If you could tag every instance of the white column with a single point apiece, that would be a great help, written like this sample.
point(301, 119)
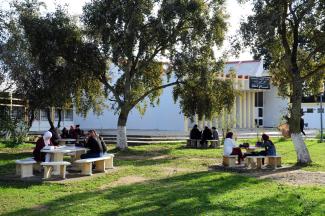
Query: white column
point(234, 113)
point(249, 109)
point(253, 113)
point(244, 110)
point(240, 113)
point(185, 124)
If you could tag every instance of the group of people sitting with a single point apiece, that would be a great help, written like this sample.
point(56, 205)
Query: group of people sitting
point(93, 142)
point(231, 148)
point(206, 134)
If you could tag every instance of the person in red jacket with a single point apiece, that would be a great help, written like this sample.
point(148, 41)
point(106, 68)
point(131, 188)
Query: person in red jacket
point(40, 144)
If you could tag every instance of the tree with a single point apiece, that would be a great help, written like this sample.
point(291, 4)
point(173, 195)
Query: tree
point(46, 55)
point(138, 36)
point(290, 35)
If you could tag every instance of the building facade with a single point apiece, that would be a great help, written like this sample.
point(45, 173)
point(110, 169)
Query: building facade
point(253, 107)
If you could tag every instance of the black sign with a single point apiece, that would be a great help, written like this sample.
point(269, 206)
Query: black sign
point(259, 82)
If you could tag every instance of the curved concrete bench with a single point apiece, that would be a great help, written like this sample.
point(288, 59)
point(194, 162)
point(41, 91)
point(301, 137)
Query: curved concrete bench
point(24, 167)
point(102, 163)
point(48, 168)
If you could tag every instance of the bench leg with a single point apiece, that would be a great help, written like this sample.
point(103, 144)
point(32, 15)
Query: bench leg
point(47, 172)
point(251, 163)
point(109, 163)
point(100, 165)
point(86, 169)
point(278, 162)
point(258, 163)
point(26, 170)
point(18, 170)
point(63, 170)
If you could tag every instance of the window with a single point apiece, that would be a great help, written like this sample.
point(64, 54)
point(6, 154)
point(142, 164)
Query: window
point(260, 122)
point(260, 112)
point(68, 115)
point(259, 99)
point(57, 114)
point(43, 115)
point(37, 115)
point(310, 110)
point(18, 112)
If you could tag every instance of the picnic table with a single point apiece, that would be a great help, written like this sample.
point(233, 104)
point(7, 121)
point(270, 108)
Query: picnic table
point(58, 153)
point(251, 149)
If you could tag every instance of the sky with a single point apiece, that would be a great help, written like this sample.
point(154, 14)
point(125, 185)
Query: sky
point(235, 10)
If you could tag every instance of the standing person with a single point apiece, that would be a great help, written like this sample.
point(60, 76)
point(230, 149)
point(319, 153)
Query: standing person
point(195, 133)
point(206, 135)
point(302, 124)
point(94, 145)
point(40, 144)
point(230, 147)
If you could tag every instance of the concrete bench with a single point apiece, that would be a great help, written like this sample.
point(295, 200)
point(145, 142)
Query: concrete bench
point(102, 163)
point(48, 168)
point(24, 167)
point(229, 161)
point(255, 162)
point(274, 161)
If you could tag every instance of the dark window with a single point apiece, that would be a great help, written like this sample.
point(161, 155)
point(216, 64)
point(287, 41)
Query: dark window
point(260, 112)
point(260, 121)
point(43, 115)
point(259, 99)
point(310, 110)
point(319, 110)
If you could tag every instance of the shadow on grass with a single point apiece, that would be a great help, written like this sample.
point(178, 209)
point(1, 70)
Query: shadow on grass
point(189, 194)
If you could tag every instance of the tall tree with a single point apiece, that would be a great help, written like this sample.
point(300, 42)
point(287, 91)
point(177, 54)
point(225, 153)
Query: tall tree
point(137, 36)
point(46, 56)
point(290, 36)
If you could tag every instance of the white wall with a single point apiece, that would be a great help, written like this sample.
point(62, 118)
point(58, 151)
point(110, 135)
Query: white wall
point(44, 125)
point(274, 107)
point(312, 119)
point(165, 116)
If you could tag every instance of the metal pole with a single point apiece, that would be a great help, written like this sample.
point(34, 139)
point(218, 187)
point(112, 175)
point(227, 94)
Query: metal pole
point(321, 117)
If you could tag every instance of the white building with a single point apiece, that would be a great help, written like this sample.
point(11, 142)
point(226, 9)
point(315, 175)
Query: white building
point(262, 106)
point(251, 106)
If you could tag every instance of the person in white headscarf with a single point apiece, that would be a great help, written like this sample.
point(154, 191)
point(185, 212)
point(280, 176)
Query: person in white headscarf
point(40, 144)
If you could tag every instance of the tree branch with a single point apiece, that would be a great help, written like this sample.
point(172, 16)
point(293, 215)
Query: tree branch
point(314, 72)
point(104, 80)
point(283, 30)
point(153, 90)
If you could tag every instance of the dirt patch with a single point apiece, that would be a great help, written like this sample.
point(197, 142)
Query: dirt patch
point(142, 157)
point(298, 177)
point(40, 208)
point(173, 170)
point(292, 175)
point(127, 180)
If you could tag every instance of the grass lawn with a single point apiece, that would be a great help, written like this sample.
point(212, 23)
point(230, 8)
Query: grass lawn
point(164, 179)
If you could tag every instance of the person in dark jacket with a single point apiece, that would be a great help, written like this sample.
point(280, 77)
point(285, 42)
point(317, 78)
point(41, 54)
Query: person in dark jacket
point(302, 124)
point(40, 144)
point(206, 135)
point(65, 133)
point(269, 146)
point(95, 146)
point(55, 136)
point(195, 133)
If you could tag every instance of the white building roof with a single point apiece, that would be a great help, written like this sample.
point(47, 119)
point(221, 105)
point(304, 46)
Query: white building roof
point(246, 68)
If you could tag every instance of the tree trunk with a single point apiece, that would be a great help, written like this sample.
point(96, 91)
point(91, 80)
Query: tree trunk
point(303, 156)
point(60, 118)
point(48, 114)
point(121, 139)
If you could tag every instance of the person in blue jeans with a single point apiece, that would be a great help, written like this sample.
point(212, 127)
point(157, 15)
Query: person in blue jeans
point(95, 145)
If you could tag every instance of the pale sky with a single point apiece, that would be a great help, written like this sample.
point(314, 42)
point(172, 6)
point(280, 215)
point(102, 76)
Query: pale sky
point(235, 11)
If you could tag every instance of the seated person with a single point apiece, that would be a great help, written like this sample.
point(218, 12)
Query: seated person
point(55, 136)
point(40, 144)
point(215, 134)
point(230, 147)
point(65, 133)
point(269, 146)
point(195, 133)
point(95, 145)
point(206, 135)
